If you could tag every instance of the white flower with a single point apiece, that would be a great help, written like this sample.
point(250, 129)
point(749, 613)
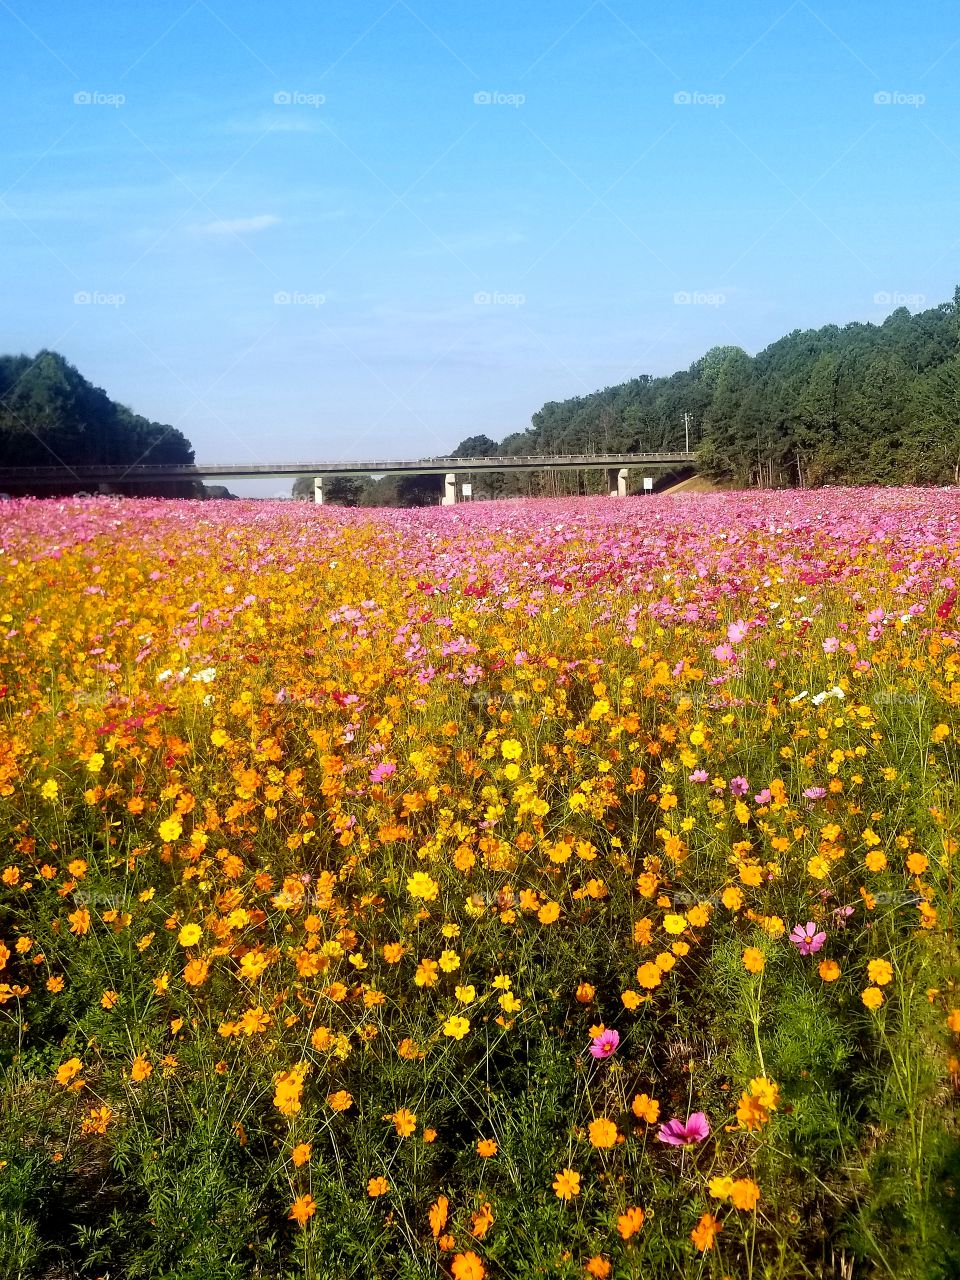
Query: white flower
point(800, 696)
point(206, 676)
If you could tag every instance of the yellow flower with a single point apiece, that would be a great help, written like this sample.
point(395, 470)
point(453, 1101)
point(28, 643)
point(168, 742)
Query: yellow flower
point(674, 923)
point(421, 885)
point(511, 749)
point(169, 830)
point(449, 961)
point(340, 1101)
point(190, 935)
point(456, 1027)
point(829, 970)
point(466, 994)
point(872, 997)
point(50, 789)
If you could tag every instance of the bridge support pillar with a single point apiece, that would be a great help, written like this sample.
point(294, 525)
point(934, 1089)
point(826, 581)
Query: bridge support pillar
point(449, 490)
point(318, 490)
point(617, 481)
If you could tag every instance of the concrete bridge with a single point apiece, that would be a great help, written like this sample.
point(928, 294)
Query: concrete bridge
point(616, 465)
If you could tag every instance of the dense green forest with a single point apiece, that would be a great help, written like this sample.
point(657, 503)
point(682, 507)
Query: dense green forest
point(51, 415)
point(861, 404)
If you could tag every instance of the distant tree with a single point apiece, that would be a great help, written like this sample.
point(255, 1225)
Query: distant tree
point(51, 415)
point(476, 447)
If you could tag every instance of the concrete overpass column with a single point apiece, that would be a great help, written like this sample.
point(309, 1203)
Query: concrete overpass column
point(318, 490)
point(617, 481)
point(449, 489)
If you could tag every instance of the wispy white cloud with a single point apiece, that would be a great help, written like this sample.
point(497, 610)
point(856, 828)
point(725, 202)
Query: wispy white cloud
point(285, 121)
point(238, 226)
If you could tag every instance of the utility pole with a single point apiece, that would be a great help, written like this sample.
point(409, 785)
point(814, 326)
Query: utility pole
point(686, 430)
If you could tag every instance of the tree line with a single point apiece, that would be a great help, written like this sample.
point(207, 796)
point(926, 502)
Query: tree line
point(50, 415)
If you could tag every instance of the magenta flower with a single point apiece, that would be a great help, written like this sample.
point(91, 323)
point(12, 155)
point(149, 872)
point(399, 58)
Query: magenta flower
point(739, 786)
point(605, 1045)
point(382, 770)
point(677, 1133)
point(806, 938)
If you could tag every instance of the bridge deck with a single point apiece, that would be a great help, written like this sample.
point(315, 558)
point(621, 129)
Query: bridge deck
point(146, 472)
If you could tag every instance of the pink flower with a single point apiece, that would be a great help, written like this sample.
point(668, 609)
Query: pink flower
point(382, 770)
point(677, 1133)
point(737, 631)
point(806, 938)
point(605, 1045)
point(831, 644)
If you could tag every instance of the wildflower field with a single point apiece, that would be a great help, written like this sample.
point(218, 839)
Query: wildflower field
point(555, 889)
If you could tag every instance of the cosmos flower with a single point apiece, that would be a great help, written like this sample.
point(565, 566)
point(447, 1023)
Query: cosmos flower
point(806, 938)
point(605, 1044)
point(685, 1133)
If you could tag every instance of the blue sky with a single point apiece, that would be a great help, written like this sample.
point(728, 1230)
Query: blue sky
point(471, 207)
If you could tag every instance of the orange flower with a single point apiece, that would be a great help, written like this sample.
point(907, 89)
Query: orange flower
point(828, 970)
point(585, 993)
point(302, 1209)
point(481, 1222)
point(599, 1267)
point(704, 1233)
point(744, 1193)
point(301, 1153)
point(872, 997)
point(438, 1215)
point(404, 1121)
point(880, 972)
point(753, 960)
point(195, 973)
point(377, 1187)
point(340, 1101)
point(141, 1069)
point(630, 1222)
point(646, 1108)
point(467, 1266)
point(486, 1147)
point(603, 1133)
point(566, 1184)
